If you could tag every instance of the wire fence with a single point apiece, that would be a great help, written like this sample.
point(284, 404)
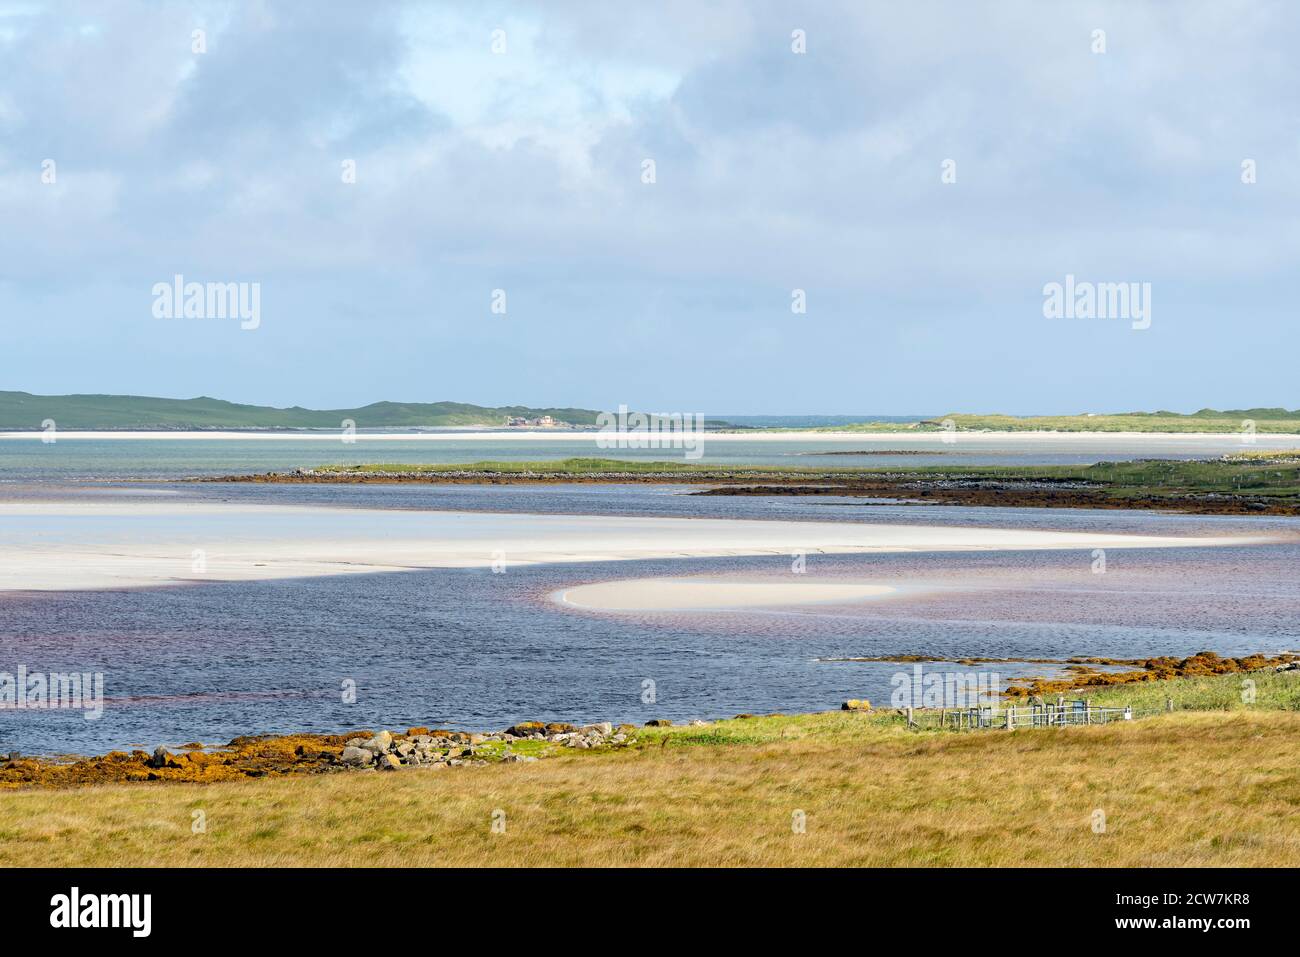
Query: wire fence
point(1035, 714)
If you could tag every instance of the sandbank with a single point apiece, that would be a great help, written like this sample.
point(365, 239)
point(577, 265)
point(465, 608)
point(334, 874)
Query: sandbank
point(123, 543)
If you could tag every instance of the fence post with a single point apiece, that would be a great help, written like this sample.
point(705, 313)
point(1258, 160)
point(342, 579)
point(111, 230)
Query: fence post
point(1011, 719)
point(1087, 711)
point(1169, 704)
point(910, 722)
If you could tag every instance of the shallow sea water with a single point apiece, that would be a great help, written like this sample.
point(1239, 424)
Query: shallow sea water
point(472, 649)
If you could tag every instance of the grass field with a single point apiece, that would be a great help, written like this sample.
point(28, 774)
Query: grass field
point(1215, 788)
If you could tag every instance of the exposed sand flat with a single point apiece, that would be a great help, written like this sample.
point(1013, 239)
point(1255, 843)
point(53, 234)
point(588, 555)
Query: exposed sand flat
point(124, 543)
point(959, 440)
point(685, 594)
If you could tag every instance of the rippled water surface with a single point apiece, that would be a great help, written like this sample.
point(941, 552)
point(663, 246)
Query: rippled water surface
point(473, 649)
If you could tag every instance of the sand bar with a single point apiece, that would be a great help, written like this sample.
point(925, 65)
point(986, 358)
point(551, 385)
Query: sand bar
point(124, 543)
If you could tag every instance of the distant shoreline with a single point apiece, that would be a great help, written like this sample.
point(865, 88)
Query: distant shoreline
point(479, 435)
point(1261, 482)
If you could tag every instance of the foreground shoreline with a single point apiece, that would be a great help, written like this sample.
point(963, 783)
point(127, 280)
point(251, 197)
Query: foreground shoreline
point(1153, 682)
point(1212, 784)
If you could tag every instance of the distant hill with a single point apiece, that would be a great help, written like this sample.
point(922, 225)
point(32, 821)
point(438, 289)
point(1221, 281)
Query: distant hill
point(22, 411)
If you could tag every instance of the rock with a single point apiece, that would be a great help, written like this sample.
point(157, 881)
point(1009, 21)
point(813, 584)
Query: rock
point(415, 732)
point(526, 729)
point(389, 762)
point(477, 738)
point(359, 757)
point(380, 743)
point(856, 704)
point(404, 749)
point(659, 723)
point(561, 727)
point(518, 758)
point(697, 723)
point(160, 757)
point(603, 727)
point(355, 742)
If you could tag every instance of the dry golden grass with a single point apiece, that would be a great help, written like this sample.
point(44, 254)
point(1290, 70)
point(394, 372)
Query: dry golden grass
point(1184, 789)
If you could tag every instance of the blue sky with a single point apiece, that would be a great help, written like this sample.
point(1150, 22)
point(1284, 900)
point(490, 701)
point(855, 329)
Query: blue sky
point(522, 170)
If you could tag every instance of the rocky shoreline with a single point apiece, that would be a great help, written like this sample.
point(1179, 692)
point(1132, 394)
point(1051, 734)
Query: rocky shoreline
point(422, 747)
point(363, 750)
point(257, 756)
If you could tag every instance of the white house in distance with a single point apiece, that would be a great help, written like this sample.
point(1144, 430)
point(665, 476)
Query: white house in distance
point(542, 422)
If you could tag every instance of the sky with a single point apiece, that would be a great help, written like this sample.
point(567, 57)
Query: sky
point(915, 173)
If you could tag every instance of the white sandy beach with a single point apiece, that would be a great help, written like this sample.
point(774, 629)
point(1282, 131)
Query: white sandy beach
point(123, 543)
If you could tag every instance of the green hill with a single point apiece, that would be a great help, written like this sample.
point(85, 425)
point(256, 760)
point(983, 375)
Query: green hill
point(22, 411)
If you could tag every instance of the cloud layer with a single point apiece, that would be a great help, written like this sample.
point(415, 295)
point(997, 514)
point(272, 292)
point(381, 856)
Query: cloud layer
point(502, 146)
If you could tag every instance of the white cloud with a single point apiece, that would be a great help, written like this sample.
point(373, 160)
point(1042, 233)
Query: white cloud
point(774, 170)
